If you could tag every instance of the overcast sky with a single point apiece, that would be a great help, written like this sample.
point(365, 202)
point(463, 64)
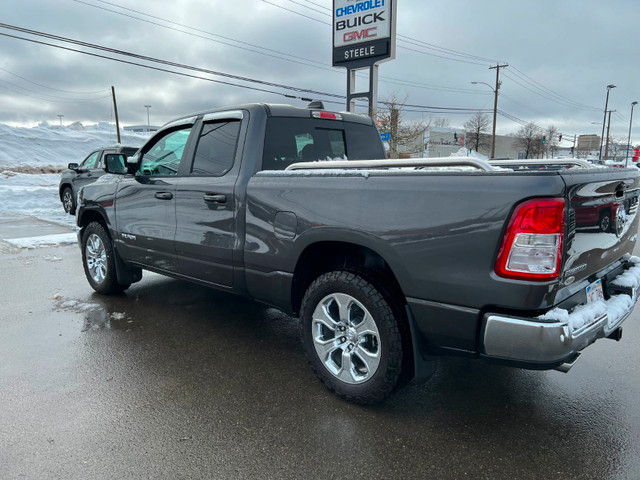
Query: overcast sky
point(561, 56)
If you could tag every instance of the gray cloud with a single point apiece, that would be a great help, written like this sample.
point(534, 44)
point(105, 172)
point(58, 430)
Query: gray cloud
point(572, 48)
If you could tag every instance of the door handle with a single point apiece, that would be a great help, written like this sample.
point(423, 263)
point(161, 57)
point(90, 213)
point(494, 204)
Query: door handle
point(215, 198)
point(164, 195)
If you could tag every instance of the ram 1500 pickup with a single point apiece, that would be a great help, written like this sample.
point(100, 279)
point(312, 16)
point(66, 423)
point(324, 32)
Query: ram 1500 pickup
point(387, 263)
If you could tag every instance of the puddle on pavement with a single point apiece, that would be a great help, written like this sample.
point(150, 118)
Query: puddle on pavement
point(96, 315)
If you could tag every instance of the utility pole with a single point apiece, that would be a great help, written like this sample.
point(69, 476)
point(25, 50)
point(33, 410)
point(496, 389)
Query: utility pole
point(60, 117)
point(573, 149)
point(115, 110)
point(626, 157)
point(495, 106)
point(604, 120)
point(606, 147)
point(148, 107)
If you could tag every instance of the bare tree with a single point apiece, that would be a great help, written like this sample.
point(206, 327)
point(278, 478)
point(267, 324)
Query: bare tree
point(439, 122)
point(477, 128)
point(529, 139)
point(552, 142)
point(405, 136)
point(617, 147)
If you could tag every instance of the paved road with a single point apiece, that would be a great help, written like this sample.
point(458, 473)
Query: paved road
point(173, 380)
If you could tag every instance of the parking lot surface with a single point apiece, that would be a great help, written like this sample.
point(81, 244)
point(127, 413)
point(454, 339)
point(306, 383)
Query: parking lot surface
point(174, 380)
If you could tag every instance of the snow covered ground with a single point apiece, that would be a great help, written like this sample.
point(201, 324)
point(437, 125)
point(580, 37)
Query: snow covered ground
point(46, 148)
point(27, 152)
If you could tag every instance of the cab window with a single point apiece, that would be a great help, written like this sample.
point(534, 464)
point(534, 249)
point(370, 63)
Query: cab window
point(90, 161)
point(216, 148)
point(163, 157)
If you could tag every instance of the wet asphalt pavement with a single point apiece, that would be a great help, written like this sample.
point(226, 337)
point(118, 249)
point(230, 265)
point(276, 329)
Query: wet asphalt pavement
point(174, 380)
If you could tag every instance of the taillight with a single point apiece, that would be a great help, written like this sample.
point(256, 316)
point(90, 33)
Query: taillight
point(532, 246)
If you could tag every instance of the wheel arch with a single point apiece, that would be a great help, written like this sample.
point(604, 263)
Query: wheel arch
point(324, 256)
point(62, 187)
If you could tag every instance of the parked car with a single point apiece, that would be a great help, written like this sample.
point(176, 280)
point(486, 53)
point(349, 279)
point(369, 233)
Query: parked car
point(385, 264)
point(91, 168)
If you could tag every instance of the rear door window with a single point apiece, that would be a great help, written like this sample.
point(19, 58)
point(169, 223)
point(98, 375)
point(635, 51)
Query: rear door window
point(216, 148)
point(291, 140)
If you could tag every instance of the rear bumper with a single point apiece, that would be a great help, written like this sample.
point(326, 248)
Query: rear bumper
point(558, 337)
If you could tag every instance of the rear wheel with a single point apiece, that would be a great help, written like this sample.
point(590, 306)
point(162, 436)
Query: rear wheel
point(352, 337)
point(68, 202)
point(98, 260)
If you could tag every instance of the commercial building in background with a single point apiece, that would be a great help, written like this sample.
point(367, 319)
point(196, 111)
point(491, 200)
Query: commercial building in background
point(443, 142)
point(588, 143)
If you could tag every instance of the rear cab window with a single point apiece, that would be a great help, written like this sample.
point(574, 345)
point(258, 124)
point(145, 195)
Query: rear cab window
point(292, 140)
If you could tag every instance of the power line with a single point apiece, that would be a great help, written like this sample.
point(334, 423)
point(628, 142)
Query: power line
point(164, 62)
point(434, 109)
point(159, 69)
point(280, 55)
point(51, 88)
point(527, 78)
point(18, 92)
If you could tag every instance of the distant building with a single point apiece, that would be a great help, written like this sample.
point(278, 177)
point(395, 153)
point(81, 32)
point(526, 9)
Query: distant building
point(141, 128)
point(443, 142)
point(588, 142)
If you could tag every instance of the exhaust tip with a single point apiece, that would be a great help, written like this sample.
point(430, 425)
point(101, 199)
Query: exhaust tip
point(616, 334)
point(565, 367)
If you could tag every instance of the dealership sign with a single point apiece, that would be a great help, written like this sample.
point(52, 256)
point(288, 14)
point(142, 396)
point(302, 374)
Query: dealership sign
point(363, 31)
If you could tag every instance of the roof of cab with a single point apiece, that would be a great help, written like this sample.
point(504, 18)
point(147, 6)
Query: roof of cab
point(281, 110)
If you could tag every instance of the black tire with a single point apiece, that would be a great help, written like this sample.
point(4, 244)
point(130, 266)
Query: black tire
point(605, 222)
point(68, 201)
point(360, 383)
point(98, 260)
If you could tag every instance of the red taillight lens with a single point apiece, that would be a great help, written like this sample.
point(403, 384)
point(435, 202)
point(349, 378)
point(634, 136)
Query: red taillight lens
point(532, 246)
point(327, 115)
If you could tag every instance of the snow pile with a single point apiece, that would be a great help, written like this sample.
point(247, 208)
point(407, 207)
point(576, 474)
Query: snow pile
point(583, 315)
point(463, 152)
point(34, 195)
point(45, 148)
point(43, 241)
point(630, 278)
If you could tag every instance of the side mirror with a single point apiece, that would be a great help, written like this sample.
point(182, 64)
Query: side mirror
point(72, 166)
point(115, 163)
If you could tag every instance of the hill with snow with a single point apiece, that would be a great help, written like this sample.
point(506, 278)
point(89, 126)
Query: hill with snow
point(47, 148)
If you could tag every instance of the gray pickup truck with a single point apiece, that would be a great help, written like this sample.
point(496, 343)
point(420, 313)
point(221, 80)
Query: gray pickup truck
point(387, 263)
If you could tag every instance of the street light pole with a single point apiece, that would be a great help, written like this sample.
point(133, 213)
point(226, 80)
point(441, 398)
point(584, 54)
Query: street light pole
point(60, 116)
point(495, 111)
point(604, 120)
point(606, 145)
point(626, 158)
point(148, 107)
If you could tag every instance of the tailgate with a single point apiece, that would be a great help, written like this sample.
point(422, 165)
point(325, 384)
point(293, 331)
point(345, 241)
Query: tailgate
point(602, 221)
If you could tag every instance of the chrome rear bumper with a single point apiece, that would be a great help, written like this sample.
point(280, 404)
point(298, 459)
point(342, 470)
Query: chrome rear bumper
point(558, 336)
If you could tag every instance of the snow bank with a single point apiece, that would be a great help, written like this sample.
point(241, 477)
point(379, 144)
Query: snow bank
point(35, 195)
point(45, 148)
point(43, 241)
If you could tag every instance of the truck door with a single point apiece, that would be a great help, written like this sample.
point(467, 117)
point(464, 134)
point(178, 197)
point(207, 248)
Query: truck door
point(206, 202)
point(88, 171)
point(145, 202)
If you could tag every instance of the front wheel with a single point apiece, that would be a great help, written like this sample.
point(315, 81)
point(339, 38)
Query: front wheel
point(351, 336)
point(98, 260)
